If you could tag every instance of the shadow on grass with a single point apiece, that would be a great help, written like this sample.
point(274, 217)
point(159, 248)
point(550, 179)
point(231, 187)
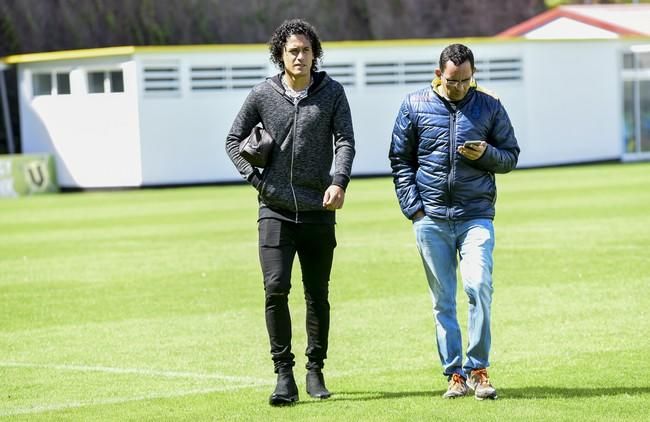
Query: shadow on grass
point(526, 393)
point(375, 395)
point(560, 392)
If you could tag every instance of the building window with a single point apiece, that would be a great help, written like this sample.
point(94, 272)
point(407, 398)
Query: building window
point(246, 77)
point(644, 60)
point(42, 84)
point(105, 81)
point(421, 72)
point(636, 102)
point(63, 83)
point(95, 82)
point(629, 118)
point(499, 69)
point(344, 73)
point(383, 73)
point(161, 79)
point(208, 78)
point(117, 81)
point(216, 78)
point(51, 83)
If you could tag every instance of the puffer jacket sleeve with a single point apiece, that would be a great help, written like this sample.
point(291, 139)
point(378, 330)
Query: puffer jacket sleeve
point(244, 122)
point(502, 153)
point(403, 157)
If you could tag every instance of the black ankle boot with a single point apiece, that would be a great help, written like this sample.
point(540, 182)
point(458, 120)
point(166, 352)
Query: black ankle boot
point(286, 390)
point(316, 385)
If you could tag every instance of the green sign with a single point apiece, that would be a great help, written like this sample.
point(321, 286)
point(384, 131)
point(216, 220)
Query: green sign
point(29, 174)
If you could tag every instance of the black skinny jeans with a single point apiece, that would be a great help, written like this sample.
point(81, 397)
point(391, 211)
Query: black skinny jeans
point(279, 241)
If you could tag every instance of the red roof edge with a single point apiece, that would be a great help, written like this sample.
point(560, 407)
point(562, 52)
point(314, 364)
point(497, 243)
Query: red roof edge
point(559, 12)
point(530, 24)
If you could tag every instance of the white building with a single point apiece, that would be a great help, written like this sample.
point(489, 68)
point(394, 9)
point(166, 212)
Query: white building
point(583, 21)
point(141, 116)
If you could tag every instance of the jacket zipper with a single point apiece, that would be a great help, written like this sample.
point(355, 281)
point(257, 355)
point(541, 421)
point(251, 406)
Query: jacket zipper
point(293, 146)
point(452, 166)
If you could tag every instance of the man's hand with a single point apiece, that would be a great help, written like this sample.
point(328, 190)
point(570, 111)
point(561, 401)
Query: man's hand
point(472, 152)
point(334, 198)
point(418, 215)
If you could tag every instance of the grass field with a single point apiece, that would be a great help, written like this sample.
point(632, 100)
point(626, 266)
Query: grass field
point(148, 305)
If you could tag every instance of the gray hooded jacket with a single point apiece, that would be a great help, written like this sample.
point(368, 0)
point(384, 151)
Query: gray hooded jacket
point(308, 137)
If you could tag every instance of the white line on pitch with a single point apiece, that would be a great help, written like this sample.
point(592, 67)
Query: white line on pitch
point(245, 382)
point(135, 371)
point(120, 400)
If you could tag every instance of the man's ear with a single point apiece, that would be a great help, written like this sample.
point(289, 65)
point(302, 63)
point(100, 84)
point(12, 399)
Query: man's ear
point(438, 72)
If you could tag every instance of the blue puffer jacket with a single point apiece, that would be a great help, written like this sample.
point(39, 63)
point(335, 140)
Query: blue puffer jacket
point(429, 174)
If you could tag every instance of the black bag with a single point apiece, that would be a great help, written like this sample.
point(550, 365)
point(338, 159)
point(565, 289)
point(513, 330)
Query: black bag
point(257, 147)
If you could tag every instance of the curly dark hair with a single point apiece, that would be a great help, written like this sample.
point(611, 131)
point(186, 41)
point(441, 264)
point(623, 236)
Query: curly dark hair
point(292, 27)
point(458, 54)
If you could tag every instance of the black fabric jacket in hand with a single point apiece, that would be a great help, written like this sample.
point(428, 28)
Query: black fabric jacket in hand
point(308, 137)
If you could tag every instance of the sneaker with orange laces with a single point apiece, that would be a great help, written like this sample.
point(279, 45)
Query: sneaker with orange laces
point(480, 382)
point(456, 388)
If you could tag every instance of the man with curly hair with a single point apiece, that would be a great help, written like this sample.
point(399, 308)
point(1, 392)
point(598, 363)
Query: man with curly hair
point(308, 116)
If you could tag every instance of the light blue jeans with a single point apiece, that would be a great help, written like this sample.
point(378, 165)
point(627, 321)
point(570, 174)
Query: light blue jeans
point(443, 246)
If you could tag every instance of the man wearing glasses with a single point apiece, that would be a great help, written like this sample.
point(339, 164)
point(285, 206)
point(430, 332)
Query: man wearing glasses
point(448, 142)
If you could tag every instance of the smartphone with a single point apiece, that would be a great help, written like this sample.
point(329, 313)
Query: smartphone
point(472, 143)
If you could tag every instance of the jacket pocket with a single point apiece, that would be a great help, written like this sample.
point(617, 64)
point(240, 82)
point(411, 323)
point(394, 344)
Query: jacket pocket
point(276, 191)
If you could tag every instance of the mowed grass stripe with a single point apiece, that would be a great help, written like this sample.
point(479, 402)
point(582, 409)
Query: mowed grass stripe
point(168, 281)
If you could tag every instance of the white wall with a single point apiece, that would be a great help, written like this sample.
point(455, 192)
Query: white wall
point(572, 103)
point(565, 108)
point(374, 109)
point(94, 137)
point(568, 28)
point(194, 125)
point(183, 136)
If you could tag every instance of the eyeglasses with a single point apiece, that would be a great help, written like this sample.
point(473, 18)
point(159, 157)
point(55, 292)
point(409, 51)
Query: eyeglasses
point(455, 83)
point(295, 52)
